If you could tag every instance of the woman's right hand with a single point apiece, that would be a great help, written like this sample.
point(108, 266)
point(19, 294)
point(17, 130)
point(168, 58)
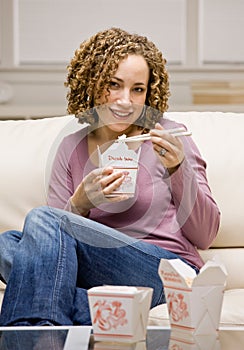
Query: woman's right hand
point(94, 188)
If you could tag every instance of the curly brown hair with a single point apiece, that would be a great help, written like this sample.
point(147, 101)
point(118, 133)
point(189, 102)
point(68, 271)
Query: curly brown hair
point(95, 63)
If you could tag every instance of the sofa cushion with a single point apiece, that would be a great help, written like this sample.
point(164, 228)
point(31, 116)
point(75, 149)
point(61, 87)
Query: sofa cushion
point(219, 137)
point(233, 307)
point(159, 316)
point(27, 148)
point(232, 258)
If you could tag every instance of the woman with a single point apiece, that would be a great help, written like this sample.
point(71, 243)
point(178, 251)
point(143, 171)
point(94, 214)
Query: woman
point(118, 84)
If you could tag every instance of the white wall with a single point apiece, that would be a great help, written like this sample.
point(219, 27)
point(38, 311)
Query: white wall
point(201, 39)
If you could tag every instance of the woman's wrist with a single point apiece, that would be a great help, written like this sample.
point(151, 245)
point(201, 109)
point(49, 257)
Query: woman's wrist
point(78, 210)
point(175, 168)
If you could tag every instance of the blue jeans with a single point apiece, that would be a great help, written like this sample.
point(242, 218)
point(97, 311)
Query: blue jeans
point(34, 339)
point(58, 256)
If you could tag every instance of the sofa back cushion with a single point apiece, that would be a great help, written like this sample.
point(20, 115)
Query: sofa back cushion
point(27, 148)
point(219, 137)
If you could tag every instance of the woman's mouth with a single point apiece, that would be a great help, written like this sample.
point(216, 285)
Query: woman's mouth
point(120, 114)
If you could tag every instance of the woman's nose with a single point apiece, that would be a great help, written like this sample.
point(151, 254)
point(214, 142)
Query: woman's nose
point(125, 98)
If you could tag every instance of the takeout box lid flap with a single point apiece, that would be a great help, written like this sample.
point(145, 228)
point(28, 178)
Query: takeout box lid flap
point(176, 272)
point(114, 290)
point(211, 273)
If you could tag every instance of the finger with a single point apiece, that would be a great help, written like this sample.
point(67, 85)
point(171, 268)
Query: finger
point(170, 157)
point(159, 126)
point(112, 186)
point(106, 180)
point(159, 144)
point(166, 140)
point(118, 198)
point(96, 174)
point(164, 134)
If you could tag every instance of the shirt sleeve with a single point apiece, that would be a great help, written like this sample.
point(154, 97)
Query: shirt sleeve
point(197, 212)
point(61, 185)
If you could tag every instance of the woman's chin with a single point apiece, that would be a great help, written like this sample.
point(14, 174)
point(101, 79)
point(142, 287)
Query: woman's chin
point(119, 128)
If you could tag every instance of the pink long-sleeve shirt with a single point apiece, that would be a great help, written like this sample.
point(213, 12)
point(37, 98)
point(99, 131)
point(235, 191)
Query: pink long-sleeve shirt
point(175, 212)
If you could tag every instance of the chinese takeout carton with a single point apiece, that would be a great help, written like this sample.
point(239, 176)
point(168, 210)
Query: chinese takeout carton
point(194, 300)
point(119, 313)
point(121, 158)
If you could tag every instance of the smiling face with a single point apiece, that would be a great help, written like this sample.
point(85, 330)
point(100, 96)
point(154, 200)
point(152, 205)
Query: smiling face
point(121, 105)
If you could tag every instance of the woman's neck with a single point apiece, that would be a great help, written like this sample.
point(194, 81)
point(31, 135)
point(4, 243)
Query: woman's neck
point(104, 134)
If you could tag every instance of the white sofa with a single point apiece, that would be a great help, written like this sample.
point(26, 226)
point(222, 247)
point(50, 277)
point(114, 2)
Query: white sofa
point(27, 149)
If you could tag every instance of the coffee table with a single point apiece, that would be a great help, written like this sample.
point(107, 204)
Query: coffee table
point(80, 338)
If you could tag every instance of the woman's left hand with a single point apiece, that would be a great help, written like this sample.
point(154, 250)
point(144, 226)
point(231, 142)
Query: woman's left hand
point(169, 148)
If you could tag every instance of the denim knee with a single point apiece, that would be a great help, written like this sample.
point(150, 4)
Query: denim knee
point(38, 213)
point(38, 218)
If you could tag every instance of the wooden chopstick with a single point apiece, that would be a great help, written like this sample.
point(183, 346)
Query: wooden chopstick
point(175, 132)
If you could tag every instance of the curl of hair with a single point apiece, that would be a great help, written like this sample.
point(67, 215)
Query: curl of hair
point(95, 63)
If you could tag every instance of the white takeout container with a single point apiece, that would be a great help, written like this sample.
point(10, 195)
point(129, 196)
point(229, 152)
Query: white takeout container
point(194, 301)
point(121, 158)
point(119, 313)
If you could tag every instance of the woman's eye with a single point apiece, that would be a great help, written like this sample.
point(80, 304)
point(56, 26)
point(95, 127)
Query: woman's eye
point(113, 85)
point(139, 89)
